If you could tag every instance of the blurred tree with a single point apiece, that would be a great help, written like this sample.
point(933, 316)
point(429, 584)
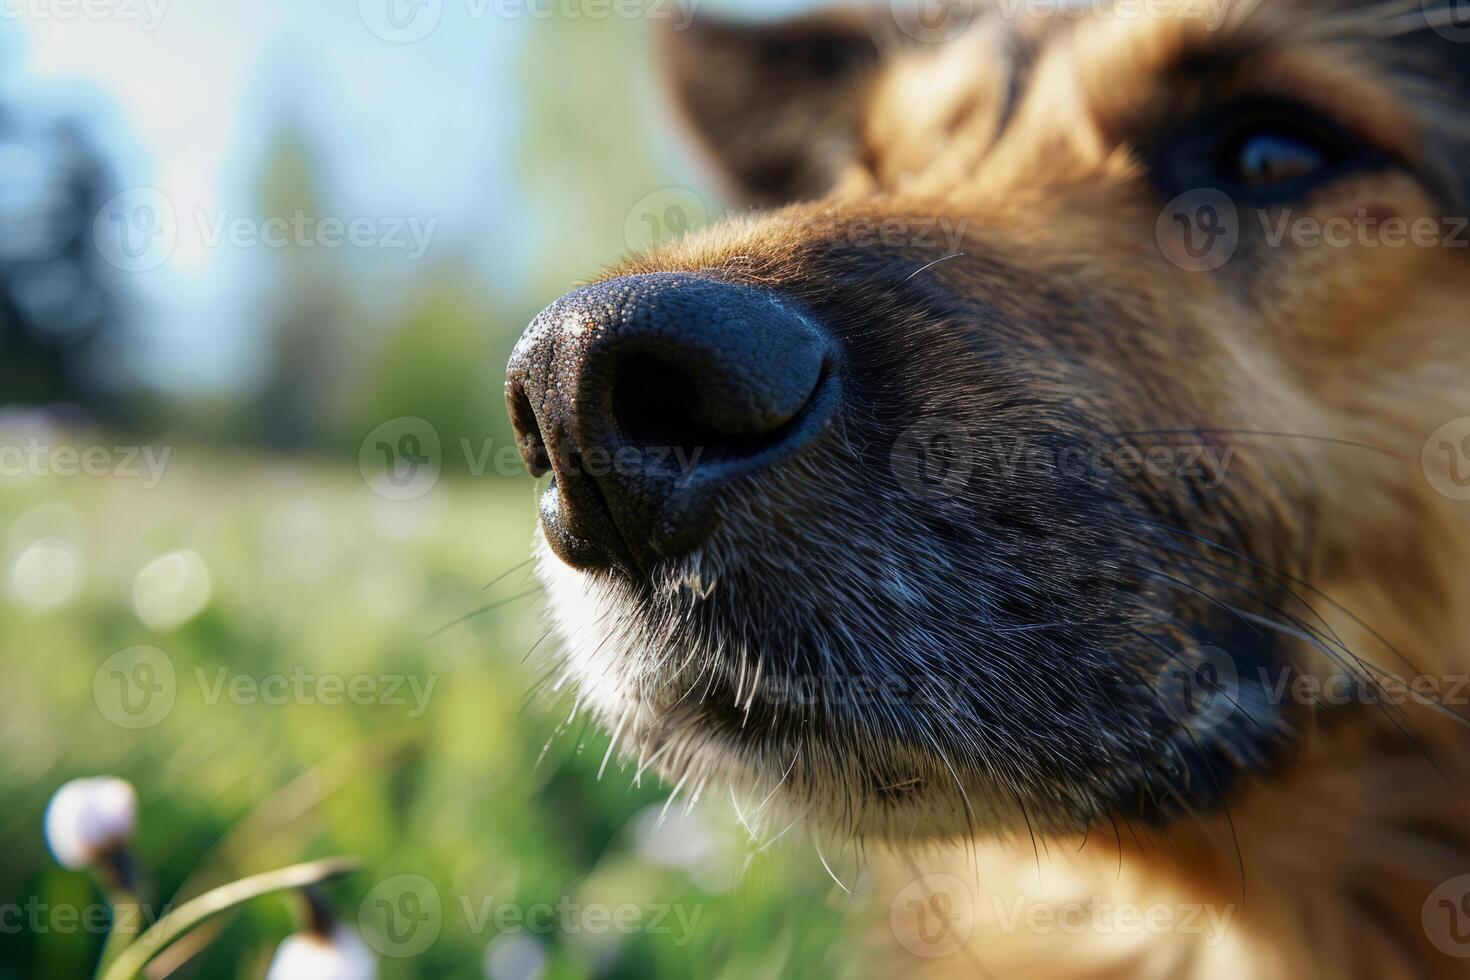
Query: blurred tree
point(311, 304)
point(590, 144)
point(440, 362)
point(58, 317)
point(340, 366)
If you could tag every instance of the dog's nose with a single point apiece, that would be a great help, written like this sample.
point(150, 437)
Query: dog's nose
point(648, 396)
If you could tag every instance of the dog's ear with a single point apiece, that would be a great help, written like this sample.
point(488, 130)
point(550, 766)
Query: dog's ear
point(776, 105)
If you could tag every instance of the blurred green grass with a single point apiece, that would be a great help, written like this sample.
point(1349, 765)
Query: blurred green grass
point(311, 574)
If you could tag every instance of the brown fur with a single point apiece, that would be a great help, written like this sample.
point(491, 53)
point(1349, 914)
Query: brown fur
point(1326, 856)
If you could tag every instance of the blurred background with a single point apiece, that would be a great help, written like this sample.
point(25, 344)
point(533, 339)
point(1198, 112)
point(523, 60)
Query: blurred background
point(261, 266)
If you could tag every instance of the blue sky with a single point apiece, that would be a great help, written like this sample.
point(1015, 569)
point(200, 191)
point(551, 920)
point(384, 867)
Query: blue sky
point(184, 94)
point(186, 108)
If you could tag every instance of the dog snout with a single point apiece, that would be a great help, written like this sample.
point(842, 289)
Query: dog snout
point(648, 397)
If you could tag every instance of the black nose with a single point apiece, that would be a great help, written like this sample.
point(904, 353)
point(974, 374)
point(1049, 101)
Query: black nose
point(647, 397)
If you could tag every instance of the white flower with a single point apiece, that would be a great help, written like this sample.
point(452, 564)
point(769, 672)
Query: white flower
point(88, 818)
point(514, 956)
point(309, 956)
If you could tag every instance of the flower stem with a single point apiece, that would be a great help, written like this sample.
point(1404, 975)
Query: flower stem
point(126, 910)
point(120, 881)
point(130, 961)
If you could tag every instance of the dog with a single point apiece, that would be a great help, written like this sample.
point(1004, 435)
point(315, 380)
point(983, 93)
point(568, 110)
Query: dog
point(1056, 487)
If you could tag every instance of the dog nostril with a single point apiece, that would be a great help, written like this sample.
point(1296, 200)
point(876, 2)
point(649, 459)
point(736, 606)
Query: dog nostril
point(529, 440)
point(655, 404)
point(659, 404)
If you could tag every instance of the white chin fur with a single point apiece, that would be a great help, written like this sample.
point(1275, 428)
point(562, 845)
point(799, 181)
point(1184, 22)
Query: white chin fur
point(603, 660)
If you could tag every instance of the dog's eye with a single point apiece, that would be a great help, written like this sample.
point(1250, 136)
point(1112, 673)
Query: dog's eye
point(1265, 157)
point(1259, 153)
